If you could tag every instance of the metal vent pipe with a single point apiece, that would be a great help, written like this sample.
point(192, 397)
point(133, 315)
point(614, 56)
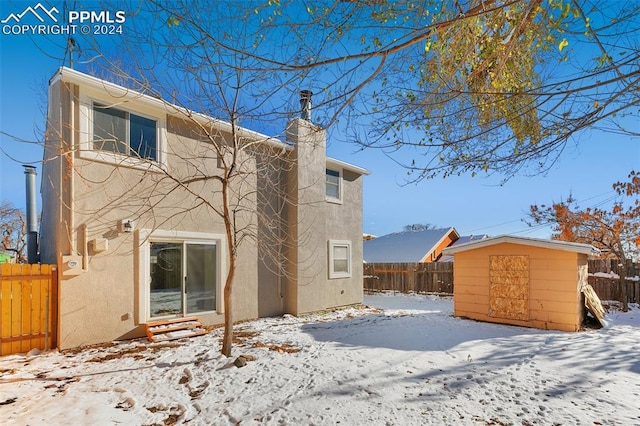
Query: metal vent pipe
point(305, 104)
point(32, 215)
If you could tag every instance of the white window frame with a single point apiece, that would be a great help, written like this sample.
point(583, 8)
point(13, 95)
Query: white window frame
point(87, 149)
point(144, 238)
point(333, 274)
point(340, 186)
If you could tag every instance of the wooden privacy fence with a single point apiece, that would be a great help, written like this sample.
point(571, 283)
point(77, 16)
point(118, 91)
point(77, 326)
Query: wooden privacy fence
point(608, 288)
point(437, 277)
point(434, 277)
point(28, 307)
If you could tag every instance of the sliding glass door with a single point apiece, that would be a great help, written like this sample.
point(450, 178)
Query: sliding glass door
point(183, 278)
point(200, 282)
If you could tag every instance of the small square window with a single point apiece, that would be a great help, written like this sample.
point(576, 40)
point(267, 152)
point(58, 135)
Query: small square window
point(339, 259)
point(334, 187)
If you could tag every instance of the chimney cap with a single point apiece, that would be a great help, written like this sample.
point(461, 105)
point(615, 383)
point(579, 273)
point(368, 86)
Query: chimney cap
point(305, 103)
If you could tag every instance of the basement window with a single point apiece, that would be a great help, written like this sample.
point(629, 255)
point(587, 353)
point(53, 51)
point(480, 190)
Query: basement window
point(123, 132)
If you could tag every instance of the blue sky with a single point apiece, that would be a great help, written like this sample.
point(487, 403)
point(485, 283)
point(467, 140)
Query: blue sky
point(587, 169)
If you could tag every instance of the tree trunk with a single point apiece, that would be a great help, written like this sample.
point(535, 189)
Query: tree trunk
point(227, 339)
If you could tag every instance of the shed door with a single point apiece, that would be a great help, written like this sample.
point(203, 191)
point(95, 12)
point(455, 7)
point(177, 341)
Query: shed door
point(509, 287)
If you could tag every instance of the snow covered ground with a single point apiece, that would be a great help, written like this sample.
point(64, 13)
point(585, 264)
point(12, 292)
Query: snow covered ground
point(405, 360)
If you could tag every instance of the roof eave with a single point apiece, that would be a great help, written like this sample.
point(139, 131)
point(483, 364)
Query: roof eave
point(346, 166)
point(69, 75)
point(535, 242)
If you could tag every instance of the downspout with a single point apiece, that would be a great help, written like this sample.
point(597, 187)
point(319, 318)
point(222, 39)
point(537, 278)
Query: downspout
point(282, 265)
point(70, 163)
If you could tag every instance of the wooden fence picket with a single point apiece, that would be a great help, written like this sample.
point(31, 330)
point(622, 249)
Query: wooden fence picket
point(28, 307)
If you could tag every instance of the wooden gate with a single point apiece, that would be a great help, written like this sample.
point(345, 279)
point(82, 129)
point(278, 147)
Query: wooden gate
point(28, 307)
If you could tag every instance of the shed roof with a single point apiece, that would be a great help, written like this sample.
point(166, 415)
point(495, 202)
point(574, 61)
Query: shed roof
point(534, 242)
point(407, 246)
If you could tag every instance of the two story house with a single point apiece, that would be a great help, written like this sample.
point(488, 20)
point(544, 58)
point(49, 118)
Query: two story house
point(132, 197)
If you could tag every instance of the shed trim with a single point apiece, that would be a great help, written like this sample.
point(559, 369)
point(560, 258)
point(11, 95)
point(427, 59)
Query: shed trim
point(535, 242)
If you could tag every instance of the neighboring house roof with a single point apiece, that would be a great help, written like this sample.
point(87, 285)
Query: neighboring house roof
point(407, 246)
point(535, 242)
point(72, 76)
point(462, 240)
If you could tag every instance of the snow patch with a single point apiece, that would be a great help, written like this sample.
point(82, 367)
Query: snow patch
point(403, 359)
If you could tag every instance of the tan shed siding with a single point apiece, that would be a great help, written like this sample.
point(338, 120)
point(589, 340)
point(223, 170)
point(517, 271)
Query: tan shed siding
point(554, 299)
point(545, 294)
point(472, 269)
point(471, 291)
point(468, 307)
point(560, 278)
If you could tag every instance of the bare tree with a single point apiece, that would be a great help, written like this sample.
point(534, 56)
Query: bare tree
point(219, 171)
point(615, 231)
point(467, 86)
point(13, 230)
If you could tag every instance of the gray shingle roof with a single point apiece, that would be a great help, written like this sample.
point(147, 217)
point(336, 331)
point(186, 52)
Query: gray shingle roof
point(408, 246)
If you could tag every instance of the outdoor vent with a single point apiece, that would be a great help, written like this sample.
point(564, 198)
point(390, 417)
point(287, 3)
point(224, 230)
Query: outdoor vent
point(32, 215)
point(305, 104)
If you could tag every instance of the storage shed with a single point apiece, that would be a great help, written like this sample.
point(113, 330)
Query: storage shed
point(521, 281)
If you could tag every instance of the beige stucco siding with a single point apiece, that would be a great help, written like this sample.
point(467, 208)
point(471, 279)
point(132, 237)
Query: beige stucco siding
point(279, 203)
point(105, 193)
point(553, 294)
point(52, 175)
point(345, 223)
point(314, 221)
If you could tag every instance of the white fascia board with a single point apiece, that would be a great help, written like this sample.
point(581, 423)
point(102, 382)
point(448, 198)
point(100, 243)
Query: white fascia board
point(69, 75)
point(535, 242)
point(333, 163)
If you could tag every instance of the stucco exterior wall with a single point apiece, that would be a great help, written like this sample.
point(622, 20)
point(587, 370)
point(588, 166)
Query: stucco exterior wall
point(344, 222)
point(554, 286)
point(107, 290)
point(280, 203)
point(314, 221)
point(52, 173)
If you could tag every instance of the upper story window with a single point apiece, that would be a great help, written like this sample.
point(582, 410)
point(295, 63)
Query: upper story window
point(123, 132)
point(334, 185)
